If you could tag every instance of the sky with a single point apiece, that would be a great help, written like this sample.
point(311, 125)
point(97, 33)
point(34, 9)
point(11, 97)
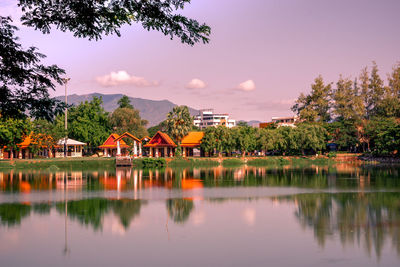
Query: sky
point(261, 56)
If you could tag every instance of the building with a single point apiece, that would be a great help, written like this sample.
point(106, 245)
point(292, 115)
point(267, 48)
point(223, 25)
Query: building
point(161, 145)
point(207, 118)
point(110, 146)
point(24, 149)
point(74, 148)
point(191, 144)
point(136, 147)
point(285, 121)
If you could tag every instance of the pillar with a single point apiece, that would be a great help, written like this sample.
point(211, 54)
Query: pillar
point(118, 149)
point(165, 152)
point(140, 149)
point(134, 149)
point(1, 154)
point(156, 152)
point(150, 152)
point(20, 154)
point(184, 151)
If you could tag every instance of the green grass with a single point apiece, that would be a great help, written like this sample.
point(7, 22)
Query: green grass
point(179, 162)
point(57, 163)
point(149, 163)
point(232, 162)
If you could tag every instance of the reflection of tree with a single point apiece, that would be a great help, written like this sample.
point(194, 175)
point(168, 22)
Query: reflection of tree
point(11, 214)
point(179, 209)
point(42, 208)
point(127, 210)
point(91, 211)
point(366, 218)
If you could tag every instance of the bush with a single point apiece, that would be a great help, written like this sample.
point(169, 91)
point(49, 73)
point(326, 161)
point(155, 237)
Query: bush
point(332, 155)
point(150, 162)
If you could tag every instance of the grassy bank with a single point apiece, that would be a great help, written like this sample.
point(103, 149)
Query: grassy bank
point(57, 163)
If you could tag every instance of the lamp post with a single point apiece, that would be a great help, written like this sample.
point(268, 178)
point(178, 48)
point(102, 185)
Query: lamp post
point(65, 81)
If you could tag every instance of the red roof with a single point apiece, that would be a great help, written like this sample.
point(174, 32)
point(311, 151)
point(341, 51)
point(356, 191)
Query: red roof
point(126, 134)
point(111, 143)
point(161, 139)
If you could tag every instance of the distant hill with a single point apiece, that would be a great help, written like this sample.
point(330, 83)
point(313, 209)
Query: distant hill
point(155, 111)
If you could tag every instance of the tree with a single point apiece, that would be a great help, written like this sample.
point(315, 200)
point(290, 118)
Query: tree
point(88, 122)
point(376, 90)
point(13, 132)
point(315, 106)
point(95, 18)
point(312, 137)
point(209, 141)
point(162, 126)
point(125, 102)
point(343, 96)
point(24, 81)
point(127, 119)
point(179, 122)
point(384, 135)
point(46, 134)
point(245, 139)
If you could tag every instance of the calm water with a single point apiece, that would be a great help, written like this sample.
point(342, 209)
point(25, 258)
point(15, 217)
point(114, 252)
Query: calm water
point(339, 215)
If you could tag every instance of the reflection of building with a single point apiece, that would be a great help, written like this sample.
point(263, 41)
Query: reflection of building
point(207, 118)
point(191, 144)
point(161, 145)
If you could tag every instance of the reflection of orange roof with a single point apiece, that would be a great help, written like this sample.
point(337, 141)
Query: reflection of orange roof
point(126, 134)
point(161, 139)
point(188, 184)
point(111, 143)
point(193, 139)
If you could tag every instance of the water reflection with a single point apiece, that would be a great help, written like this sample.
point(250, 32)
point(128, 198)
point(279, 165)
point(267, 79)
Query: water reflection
point(357, 218)
point(367, 215)
point(122, 179)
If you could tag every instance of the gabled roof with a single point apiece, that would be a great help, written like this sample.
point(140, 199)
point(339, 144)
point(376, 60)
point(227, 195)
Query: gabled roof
point(161, 139)
point(70, 141)
point(193, 139)
point(111, 143)
point(144, 138)
point(126, 134)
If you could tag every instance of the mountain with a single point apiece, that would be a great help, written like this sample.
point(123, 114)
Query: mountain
point(155, 111)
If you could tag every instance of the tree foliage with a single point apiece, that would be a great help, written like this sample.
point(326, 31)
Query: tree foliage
point(88, 122)
point(13, 132)
point(179, 122)
point(127, 119)
point(95, 18)
point(24, 80)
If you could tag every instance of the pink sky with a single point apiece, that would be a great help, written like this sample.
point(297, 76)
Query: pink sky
point(262, 53)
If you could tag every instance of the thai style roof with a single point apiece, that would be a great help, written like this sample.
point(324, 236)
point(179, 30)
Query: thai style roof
point(111, 143)
point(126, 134)
point(193, 139)
point(27, 141)
point(161, 139)
point(144, 138)
point(70, 142)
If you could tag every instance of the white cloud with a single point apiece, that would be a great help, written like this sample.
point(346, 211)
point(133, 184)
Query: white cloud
point(196, 84)
point(123, 78)
point(248, 85)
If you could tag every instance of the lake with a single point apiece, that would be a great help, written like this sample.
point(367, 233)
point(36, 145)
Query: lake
point(336, 215)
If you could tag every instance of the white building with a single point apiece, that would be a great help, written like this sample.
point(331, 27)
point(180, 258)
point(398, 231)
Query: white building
point(286, 121)
point(207, 118)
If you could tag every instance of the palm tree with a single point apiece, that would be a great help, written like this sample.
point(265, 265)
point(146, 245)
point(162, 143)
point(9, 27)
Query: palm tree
point(179, 122)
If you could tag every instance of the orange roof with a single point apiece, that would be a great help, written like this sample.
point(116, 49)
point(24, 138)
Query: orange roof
point(126, 134)
point(193, 139)
point(161, 139)
point(111, 143)
point(27, 141)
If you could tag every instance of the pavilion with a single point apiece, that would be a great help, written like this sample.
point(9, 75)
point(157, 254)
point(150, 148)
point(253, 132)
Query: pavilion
point(74, 148)
point(110, 146)
point(191, 144)
point(161, 145)
point(137, 144)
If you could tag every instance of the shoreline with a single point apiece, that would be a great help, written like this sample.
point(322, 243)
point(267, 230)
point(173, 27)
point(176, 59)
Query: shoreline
point(192, 161)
